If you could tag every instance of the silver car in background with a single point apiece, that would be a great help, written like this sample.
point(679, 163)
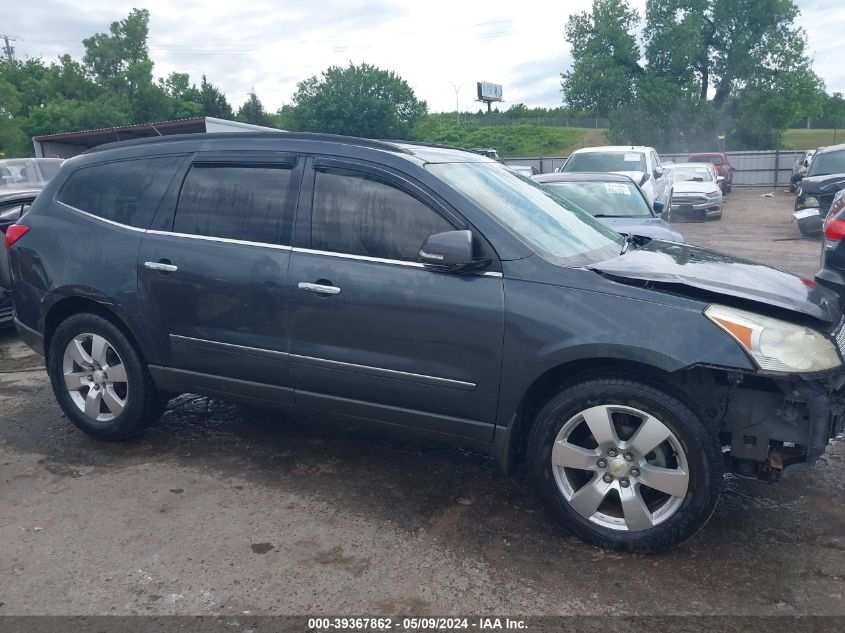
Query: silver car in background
point(697, 192)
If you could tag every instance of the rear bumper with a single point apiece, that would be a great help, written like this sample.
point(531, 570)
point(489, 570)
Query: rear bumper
point(31, 337)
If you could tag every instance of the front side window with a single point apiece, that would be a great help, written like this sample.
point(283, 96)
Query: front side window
point(607, 161)
point(234, 202)
point(361, 216)
point(541, 218)
point(127, 191)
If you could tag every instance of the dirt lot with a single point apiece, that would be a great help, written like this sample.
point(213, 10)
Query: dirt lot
point(227, 510)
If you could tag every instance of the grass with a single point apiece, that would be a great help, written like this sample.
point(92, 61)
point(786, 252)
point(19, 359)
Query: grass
point(811, 139)
point(511, 140)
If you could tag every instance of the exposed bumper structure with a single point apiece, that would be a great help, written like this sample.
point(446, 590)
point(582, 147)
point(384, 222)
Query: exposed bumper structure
point(776, 424)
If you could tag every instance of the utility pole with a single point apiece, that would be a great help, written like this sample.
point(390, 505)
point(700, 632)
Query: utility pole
point(9, 49)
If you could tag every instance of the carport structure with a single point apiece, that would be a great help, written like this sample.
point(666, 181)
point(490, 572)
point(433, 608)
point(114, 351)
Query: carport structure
point(67, 144)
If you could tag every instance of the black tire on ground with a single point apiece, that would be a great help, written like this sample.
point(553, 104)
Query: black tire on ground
point(728, 188)
point(699, 443)
point(144, 405)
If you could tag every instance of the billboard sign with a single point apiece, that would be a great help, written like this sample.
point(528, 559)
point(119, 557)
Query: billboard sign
point(489, 92)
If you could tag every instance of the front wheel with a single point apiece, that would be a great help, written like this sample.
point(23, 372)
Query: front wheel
point(625, 464)
point(100, 380)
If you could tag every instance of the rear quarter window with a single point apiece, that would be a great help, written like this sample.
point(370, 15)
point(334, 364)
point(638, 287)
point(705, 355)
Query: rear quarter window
point(127, 191)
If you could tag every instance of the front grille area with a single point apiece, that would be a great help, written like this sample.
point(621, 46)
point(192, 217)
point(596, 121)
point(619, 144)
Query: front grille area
point(688, 199)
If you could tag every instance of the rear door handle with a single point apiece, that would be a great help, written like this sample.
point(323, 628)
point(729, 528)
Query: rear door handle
point(161, 267)
point(319, 289)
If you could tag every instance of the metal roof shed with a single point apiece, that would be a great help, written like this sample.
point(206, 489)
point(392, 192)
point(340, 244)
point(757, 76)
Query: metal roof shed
point(70, 144)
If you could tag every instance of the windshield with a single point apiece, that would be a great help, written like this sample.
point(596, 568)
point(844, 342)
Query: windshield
point(699, 174)
point(828, 163)
point(541, 218)
point(606, 161)
point(604, 199)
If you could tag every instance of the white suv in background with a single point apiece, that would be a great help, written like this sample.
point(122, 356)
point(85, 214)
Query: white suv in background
point(641, 164)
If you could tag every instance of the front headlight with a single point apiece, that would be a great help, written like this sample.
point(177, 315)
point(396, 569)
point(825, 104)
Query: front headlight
point(776, 345)
point(807, 202)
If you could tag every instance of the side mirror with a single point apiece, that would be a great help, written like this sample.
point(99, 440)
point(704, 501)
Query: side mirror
point(658, 207)
point(720, 179)
point(658, 172)
point(452, 249)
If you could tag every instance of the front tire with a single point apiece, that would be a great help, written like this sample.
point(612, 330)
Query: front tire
point(100, 380)
point(625, 464)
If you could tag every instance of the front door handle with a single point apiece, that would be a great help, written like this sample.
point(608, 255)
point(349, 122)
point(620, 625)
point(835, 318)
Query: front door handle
point(162, 267)
point(320, 289)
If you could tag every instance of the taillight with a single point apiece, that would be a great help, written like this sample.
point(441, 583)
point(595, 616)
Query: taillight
point(14, 233)
point(834, 228)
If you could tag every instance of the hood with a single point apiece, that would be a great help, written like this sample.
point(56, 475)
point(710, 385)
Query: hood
point(687, 266)
point(654, 228)
point(692, 186)
point(831, 183)
point(636, 176)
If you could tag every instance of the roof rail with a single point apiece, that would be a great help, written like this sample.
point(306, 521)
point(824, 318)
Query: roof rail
point(389, 146)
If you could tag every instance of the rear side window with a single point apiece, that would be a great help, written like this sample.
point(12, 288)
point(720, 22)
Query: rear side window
point(360, 216)
point(234, 202)
point(127, 191)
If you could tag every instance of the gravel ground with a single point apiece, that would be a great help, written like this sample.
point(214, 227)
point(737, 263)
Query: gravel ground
point(226, 510)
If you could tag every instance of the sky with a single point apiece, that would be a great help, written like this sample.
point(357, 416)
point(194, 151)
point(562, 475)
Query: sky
point(441, 47)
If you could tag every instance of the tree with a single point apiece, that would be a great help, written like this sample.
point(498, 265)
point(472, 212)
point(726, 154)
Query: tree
point(252, 111)
point(711, 66)
point(357, 100)
point(605, 57)
point(213, 102)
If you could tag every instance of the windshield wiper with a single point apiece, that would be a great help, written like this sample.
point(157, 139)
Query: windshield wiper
point(628, 240)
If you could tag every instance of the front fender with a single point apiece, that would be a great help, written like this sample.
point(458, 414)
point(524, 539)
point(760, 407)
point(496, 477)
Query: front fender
point(547, 326)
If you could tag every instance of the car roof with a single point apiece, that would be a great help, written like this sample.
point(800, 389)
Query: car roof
point(831, 148)
point(581, 176)
point(614, 148)
point(422, 152)
point(690, 164)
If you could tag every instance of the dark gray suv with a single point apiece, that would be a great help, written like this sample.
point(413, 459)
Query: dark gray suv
point(431, 290)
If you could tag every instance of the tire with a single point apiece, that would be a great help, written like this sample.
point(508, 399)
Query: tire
point(654, 520)
point(125, 401)
point(728, 188)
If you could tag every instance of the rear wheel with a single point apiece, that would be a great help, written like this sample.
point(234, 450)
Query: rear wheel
point(100, 380)
point(625, 465)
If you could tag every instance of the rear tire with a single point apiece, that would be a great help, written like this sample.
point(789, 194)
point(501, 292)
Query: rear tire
point(602, 479)
point(100, 380)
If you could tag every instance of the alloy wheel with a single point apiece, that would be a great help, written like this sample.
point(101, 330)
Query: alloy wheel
point(95, 377)
point(620, 467)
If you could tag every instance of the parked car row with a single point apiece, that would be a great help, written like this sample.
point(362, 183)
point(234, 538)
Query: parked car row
point(433, 291)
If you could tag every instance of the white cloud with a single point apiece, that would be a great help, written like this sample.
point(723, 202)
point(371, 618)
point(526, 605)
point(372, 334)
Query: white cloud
point(271, 45)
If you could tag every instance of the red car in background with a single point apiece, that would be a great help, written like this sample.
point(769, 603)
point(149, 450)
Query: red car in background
point(720, 162)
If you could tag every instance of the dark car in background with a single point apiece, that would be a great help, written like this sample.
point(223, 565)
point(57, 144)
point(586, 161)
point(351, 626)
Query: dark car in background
point(432, 291)
point(722, 165)
point(614, 200)
point(824, 178)
point(832, 265)
point(13, 204)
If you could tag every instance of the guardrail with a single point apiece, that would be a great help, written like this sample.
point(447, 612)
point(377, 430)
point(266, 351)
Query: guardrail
point(761, 168)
